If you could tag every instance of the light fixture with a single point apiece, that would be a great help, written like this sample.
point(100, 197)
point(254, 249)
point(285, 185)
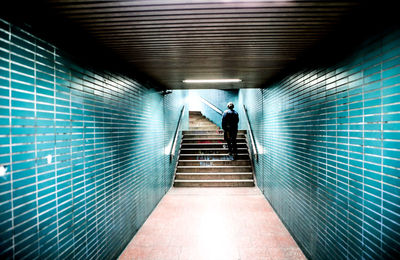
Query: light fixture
point(211, 80)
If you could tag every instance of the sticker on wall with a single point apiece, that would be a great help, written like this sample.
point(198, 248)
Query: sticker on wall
point(3, 171)
point(49, 158)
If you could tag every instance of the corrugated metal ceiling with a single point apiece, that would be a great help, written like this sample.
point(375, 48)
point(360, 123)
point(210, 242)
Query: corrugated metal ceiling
point(175, 40)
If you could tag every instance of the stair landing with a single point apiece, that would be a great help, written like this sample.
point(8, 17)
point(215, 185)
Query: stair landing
point(213, 223)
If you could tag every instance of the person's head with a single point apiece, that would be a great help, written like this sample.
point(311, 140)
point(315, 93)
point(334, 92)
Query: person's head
point(230, 105)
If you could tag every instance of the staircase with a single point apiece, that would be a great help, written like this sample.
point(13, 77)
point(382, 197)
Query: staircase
point(203, 160)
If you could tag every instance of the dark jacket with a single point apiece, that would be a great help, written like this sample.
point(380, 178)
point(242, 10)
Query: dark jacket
point(230, 120)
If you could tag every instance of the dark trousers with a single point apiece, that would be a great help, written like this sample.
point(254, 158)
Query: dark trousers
point(230, 138)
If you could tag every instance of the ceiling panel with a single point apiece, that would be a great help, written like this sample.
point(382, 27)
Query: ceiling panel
point(174, 40)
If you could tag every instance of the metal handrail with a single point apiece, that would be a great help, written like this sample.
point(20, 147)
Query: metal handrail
point(253, 143)
point(173, 146)
point(216, 109)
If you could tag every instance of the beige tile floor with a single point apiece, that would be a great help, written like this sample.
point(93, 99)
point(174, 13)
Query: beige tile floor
point(213, 223)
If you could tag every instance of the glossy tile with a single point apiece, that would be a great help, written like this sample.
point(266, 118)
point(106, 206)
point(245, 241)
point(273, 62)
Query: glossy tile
point(213, 223)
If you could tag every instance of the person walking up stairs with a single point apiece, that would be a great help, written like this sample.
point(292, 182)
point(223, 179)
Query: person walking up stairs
point(230, 120)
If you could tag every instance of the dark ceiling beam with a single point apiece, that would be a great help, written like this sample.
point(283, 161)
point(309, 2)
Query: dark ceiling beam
point(204, 25)
point(217, 13)
point(231, 30)
point(77, 4)
point(204, 18)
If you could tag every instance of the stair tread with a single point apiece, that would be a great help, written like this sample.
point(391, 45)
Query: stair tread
point(200, 121)
point(214, 160)
point(209, 148)
point(188, 132)
point(208, 132)
point(215, 134)
point(205, 143)
point(209, 144)
point(213, 173)
point(210, 166)
point(211, 129)
point(239, 130)
point(220, 131)
point(211, 154)
point(225, 180)
point(211, 139)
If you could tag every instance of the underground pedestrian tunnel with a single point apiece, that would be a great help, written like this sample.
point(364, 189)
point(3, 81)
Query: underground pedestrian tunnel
point(103, 126)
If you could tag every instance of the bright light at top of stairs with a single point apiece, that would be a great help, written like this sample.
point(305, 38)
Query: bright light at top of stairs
point(211, 80)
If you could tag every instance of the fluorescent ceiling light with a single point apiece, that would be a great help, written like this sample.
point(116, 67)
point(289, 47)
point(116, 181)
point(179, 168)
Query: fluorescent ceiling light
point(211, 80)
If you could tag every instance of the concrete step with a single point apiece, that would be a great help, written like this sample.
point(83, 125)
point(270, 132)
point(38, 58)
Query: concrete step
point(219, 140)
point(213, 183)
point(202, 125)
point(211, 157)
point(204, 128)
point(206, 132)
point(214, 163)
point(199, 120)
point(214, 176)
point(210, 145)
point(193, 112)
point(211, 136)
point(209, 150)
point(213, 169)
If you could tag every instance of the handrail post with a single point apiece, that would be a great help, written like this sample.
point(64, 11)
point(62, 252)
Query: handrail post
point(173, 146)
point(253, 143)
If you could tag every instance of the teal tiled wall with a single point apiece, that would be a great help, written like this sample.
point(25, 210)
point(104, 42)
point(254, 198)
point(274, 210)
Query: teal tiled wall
point(82, 154)
point(330, 144)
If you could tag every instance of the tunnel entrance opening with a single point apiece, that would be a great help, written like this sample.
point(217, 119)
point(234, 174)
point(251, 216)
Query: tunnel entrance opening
point(205, 156)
